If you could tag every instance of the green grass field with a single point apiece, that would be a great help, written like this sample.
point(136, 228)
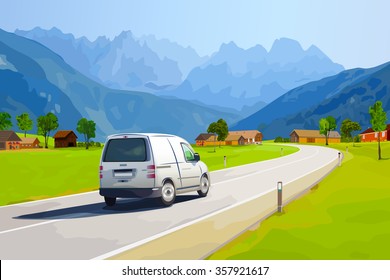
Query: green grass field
point(239, 155)
point(28, 175)
point(346, 216)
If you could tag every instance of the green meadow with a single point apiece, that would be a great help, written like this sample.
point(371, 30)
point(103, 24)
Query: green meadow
point(346, 216)
point(29, 175)
point(239, 155)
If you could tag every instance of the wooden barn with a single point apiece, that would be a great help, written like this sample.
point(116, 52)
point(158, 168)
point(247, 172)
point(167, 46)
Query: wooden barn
point(234, 140)
point(9, 140)
point(250, 136)
point(313, 136)
point(29, 143)
point(205, 139)
point(65, 138)
point(370, 135)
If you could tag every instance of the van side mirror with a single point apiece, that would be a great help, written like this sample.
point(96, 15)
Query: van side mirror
point(196, 157)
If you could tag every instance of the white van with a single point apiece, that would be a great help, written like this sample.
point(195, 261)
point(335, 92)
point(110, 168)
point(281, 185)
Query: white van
point(150, 165)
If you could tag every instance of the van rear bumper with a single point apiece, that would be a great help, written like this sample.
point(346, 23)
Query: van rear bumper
point(130, 192)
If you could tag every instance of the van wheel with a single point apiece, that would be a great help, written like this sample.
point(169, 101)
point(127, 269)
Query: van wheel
point(204, 186)
point(168, 194)
point(110, 201)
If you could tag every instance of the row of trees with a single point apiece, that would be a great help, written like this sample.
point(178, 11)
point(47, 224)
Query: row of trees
point(378, 123)
point(46, 124)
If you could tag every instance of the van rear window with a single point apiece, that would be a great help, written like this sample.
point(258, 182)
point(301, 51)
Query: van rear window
point(125, 149)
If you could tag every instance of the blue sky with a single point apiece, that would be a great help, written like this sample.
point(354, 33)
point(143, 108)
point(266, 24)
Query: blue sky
point(353, 33)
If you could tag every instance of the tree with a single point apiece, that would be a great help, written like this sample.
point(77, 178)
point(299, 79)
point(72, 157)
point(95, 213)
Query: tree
point(219, 128)
point(378, 122)
point(347, 127)
point(24, 123)
point(46, 124)
point(5, 121)
point(87, 128)
point(222, 130)
point(213, 129)
point(326, 126)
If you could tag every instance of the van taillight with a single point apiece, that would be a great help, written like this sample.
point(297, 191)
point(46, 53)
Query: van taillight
point(151, 172)
point(101, 167)
point(100, 173)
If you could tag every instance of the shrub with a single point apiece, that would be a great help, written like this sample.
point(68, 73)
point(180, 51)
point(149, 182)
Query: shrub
point(357, 139)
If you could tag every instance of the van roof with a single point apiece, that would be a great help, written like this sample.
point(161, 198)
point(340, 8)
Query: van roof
point(141, 134)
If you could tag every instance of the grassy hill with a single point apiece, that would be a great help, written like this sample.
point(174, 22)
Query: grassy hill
point(346, 216)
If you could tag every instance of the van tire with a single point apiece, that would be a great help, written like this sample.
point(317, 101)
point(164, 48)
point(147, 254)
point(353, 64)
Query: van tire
point(110, 201)
point(204, 186)
point(168, 194)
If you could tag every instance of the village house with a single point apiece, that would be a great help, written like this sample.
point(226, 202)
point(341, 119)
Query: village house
point(65, 138)
point(250, 136)
point(370, 135)
point(9, 140)
point(234, 138)
point(313, 136)
point(205, 139)
point(29, 143)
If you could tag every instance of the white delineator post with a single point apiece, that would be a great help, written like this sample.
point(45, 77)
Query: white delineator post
point(280, 191)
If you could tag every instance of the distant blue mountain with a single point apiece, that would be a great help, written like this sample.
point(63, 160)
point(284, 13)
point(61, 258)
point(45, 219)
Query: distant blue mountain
point(124, 62)
point(240, 79)
point(345, 95)
point(36, 80)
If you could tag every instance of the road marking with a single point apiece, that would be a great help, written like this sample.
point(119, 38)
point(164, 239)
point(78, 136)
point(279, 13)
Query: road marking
point(265, 170)
point(166, 232)
point(161, 234)
point(170, 230)
point(64, 217)
point(47, 199)
point(30, 226)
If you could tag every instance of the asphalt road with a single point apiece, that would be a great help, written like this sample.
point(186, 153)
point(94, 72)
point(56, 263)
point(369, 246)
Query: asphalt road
point(82, 227)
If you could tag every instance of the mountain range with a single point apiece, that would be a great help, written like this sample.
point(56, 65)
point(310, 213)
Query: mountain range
point(345, 95)
point(247, 80)
point(125, 62)
point(241, 80)
point(36, 80)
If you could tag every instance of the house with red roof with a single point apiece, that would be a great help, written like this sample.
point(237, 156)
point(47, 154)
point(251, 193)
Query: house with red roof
point(369, 135)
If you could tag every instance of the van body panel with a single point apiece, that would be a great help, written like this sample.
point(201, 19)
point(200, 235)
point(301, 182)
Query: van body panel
point(138, 165)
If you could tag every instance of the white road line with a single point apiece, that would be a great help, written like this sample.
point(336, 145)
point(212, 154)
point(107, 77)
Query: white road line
point(64, 217)
point(30, 226)
point(161, 234)
point(265, 170)
point(177, 228)
point(85, 193)
point(46, 199)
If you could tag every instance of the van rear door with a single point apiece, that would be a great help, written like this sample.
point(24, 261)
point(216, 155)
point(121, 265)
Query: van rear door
point(127, 163)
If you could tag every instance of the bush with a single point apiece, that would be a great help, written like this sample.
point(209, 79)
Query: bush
point(357, 139)
point(280, 139)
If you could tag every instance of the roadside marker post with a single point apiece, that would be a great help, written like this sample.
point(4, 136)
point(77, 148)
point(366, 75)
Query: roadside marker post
point(339, 159)
point(281, 151)
point(224, 161)
point(280, 191)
